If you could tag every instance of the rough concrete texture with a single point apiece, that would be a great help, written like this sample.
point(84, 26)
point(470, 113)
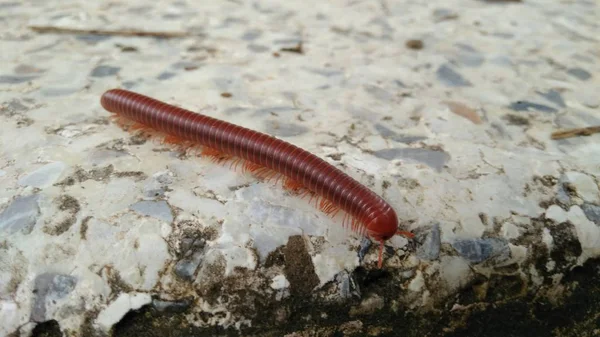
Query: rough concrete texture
point(443, 108)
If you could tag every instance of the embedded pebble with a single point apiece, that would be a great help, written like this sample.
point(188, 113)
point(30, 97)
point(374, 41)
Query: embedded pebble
point(480, 250)
point(592, 212)
point(430, 250)
point(348, 287)
point(157, 185)
point(48, 289)
point(43, 176)
point(526, 106)
point(433, 158)
point(580, 73)
point(554, 96)
point(104, 71)
point(171, 306)
point(451, 77)
point(20, 215)
point(156, 209)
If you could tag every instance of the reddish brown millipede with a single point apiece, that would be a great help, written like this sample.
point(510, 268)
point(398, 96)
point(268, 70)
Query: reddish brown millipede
point(265, 156)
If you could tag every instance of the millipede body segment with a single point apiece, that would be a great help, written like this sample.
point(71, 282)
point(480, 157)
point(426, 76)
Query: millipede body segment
point(366, 212)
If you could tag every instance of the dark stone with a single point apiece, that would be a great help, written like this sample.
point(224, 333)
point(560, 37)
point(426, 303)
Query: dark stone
point(257, 48)
point(285, 129)
point(165, 76)
point(20, 215)
point(579, 73)
point(592, 212)
point(50, 287)
point(9, 79)
point(430, 250)
point(480, 250)
point(554, 97)
point(390, 134)
point(104, 71)
point(433, 158)
point(451, 77)
point(525, 106)
point(251, 34)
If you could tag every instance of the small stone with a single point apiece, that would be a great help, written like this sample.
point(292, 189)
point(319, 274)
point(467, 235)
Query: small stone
point(20, 215)
point(165, 75)
point(156, 209)
point(436, 159)
point(451, 77)
point(579, 73)
point(48, 288)
point(554, 97)
point(430, 250)
point(348, 288)
point(157, 185)
point(186, 269)
point(556, 214)
point(104, 71)
point(526, 106)
point(171, 306)
point(592, 212)
point(480, 250)
point(43, 176)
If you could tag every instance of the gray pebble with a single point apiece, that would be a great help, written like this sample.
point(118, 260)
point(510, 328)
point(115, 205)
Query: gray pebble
point(554, 97)
point(20, 215)
point(171, 306)
point(285, 129)
point(434, 159)
point(257, 48)
point(8, 79)
point(480, 250)
point(579, 73)
point(104, 71)
point(43, 176)
point(251, 34)
point(592, 212)
point(156, 209)
point(165, 76)
point(430, 250)
point(525, 106)
point(50, 287)
point(451, 78)
point(348, 287)
point(390, 134)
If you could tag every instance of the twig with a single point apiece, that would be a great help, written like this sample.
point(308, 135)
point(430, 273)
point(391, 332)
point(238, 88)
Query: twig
point(60, 30)
point(575, 132)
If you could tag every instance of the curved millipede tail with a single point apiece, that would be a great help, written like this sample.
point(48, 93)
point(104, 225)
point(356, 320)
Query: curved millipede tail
point(265, 156)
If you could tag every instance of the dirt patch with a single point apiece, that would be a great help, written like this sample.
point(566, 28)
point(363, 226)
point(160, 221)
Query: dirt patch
point(299, 269)
point(68, 208)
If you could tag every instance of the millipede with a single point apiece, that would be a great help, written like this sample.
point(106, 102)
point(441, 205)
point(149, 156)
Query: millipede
point(265, 156)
